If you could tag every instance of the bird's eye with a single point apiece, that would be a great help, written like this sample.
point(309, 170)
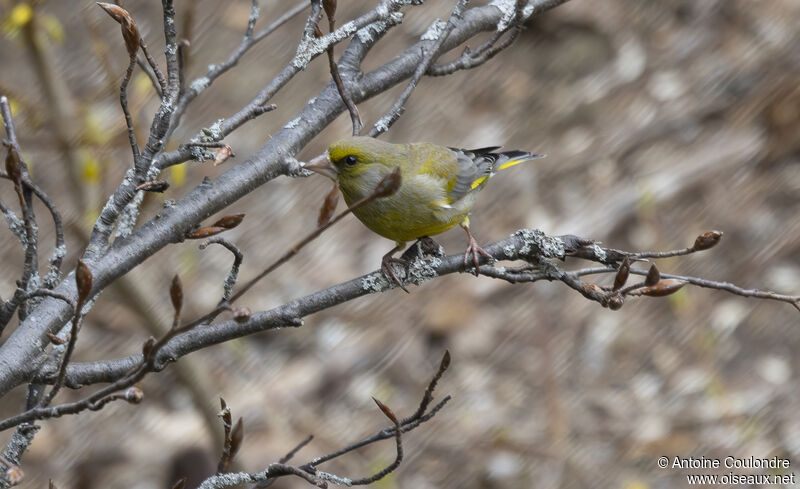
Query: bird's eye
point(351, 160)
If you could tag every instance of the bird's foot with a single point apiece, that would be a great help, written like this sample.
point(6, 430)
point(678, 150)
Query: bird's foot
point(423, 247)
point(474, 249)
point(388, 271)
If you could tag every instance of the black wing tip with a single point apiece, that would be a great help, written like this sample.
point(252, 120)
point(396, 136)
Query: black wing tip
point(517, 154)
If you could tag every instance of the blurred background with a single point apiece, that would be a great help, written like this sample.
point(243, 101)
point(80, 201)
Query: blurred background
point(661, 120)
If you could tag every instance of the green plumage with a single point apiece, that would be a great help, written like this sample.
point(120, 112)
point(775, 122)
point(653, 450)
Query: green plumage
point(439, 184)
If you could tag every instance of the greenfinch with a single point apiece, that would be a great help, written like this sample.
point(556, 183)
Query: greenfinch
point(439, 187)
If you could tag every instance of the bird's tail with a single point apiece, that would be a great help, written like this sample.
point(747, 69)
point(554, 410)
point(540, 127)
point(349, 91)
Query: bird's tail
point(501, 161)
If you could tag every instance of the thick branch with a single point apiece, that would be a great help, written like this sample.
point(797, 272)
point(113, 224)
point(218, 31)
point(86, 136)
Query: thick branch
point(23, 351)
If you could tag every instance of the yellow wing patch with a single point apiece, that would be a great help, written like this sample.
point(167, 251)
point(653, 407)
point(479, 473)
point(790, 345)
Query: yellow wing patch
point(511, 163)
point(479, 181)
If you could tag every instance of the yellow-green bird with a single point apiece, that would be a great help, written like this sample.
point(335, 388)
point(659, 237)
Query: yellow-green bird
point(439, 186)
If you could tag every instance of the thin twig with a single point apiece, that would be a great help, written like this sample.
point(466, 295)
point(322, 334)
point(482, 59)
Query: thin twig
point(62, 371)
point(397, 109)
point(123, 100)
point(199, 85)
point(51, 293)
point(148, 70)
point(31, 245)
point(171, 86)
point(233, 274)
point(483, 53)
point(355, 117)
point(380, 191)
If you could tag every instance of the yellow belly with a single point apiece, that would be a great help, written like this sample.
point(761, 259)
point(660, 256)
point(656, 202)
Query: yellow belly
point(404, 226)
point(415, 211)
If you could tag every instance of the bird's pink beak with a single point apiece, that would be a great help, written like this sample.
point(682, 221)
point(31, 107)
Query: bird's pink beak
point(322, 165)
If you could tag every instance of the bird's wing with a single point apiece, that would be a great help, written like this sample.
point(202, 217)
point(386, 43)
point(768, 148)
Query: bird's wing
point(474, 165)
point(462, 171)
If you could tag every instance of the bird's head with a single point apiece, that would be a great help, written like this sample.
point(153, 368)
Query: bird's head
point(357, 163)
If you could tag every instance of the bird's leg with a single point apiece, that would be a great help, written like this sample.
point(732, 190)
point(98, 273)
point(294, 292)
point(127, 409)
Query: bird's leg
point(386, 265)
point(473, 248)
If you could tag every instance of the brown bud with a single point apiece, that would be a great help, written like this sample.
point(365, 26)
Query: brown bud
point(14, 474)
point(615, 302)
point(445, 364)
point(237, 435)
point(207, 232)
point(129, 31)
point(13, 164)
point(148, 346)
point(653, 275)
point(388, 185)
point(622, 274)
point(317, 31)
point(328, 207)
point(663, 288)
point(55, 339)
point(180, 484)
point(707, 240)
point(83, 279)
point(388, 412)
point(229, 222)
point(223, 154)
point(176, 294)
point(330, 9)
point(225, 412)
point(134, 395)
point(241, 314)
point(154, 186)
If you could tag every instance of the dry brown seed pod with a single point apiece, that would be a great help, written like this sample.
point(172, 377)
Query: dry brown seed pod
point(663, 288)
point(388, 412)
point(328, 207)
point(83, 279)
point(229, 222)
point(176, 293)
point(388, 185)
point(707, 240)
point(622, 274)
point(129, 31)
point(653, 276)
point(206, 232)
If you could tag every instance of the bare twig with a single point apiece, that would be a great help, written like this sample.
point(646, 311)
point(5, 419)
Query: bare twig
point(123, 101)
point(420, 416)
point(355, 117)
point(398, 450)
point(385, 187)
point(145, 67)
point(50, 293)
point(483, 53)
point(171, 50)
point(439, 36)
point(83, 279)
point(531, 246)
point(233, 274)
point(233, 437)
point(199, 85)
point(17, 172)
point(291, 453)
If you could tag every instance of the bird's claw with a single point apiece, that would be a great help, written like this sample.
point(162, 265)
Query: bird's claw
point(388, 271)
point(474, 249)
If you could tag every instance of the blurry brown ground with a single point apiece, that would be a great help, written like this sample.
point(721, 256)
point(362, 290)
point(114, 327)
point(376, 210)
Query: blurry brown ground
point(661, 120)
